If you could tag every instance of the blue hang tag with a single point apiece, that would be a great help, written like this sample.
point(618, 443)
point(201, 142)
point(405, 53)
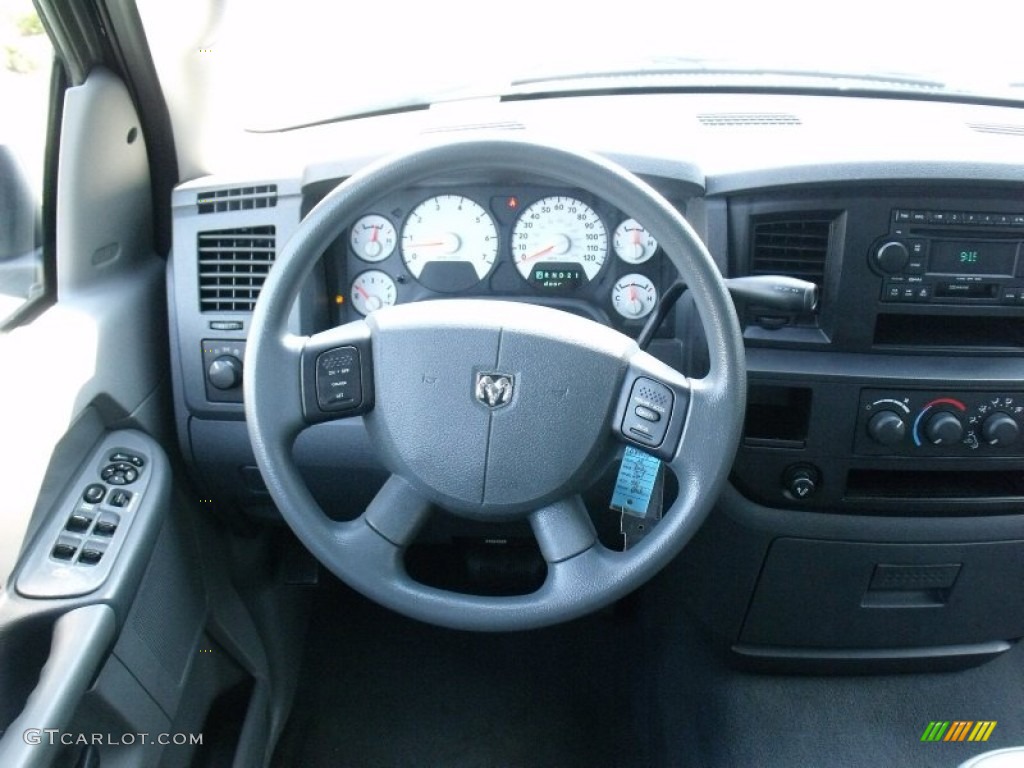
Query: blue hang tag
point(635, 483)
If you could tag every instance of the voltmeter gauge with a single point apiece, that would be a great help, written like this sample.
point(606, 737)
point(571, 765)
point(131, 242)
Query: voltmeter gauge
point(634, 296)
point(373, 238)
point(372, 290)
point(633, 243)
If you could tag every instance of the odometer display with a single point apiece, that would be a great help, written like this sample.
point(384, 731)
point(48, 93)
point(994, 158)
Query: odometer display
point(559, 231)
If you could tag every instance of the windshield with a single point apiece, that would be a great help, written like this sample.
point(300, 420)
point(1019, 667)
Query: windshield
point(275, 65)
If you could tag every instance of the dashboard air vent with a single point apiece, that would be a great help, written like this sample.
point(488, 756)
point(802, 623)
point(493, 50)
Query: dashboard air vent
point(733, 119)
point(233, 263)
point(795, 246)
point(237, 199)
point(997, 128)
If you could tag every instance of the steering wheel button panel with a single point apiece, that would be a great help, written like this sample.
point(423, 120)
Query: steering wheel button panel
point(649, 412)
point(338, 386)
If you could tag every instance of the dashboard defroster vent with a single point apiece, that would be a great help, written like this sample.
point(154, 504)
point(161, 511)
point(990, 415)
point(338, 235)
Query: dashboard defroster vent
point(233, 264)
point(1001, 129)
point(733, 119)
point(796, 246)
point(237, 199)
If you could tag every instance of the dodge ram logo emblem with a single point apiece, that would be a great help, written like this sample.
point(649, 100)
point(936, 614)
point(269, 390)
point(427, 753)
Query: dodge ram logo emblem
point(494, 389)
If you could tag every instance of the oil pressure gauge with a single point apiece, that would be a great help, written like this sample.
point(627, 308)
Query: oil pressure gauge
point(634, 296)
point(372, 290)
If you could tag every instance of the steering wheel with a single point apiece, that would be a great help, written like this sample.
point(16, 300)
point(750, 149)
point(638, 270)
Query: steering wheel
point(492, 410)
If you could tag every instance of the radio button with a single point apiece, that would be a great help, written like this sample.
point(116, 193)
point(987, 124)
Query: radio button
point(954, 217)
point(937, 217)
point(972, 218)
point(1017, 220)
point(919, 217)
point(915, 266)
point(902, 215)
point(891, 293)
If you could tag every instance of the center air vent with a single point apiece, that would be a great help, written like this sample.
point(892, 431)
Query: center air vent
point(795, 246)
point(233, 263)
point(237, 199)
point(726, 119)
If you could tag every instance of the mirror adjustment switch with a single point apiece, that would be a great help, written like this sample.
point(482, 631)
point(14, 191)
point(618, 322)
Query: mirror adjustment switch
point(648, 412)
point(338, 384)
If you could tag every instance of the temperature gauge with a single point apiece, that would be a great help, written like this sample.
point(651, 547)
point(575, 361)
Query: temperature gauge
point(633, 243)
point(373, 238)
point(634, 296)
point(372, 290)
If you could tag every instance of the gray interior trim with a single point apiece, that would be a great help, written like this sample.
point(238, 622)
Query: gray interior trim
point(81, 639)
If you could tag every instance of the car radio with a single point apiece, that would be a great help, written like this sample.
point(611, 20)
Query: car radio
point(951, 257)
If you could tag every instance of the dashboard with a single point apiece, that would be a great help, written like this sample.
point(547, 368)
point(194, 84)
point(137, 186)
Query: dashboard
point(549, 245)
point(884, 429)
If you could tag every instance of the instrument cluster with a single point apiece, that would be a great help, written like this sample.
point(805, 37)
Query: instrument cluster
point(555, 246)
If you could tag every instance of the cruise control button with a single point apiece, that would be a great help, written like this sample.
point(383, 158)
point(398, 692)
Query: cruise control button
point(94, 493)
point(647, 414)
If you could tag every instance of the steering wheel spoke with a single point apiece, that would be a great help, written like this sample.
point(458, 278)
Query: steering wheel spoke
point(337, 373)
point(563, 530)
point(397, 512)
point(653, 406)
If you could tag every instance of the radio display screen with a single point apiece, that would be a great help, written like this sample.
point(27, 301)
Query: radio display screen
point(965, 257)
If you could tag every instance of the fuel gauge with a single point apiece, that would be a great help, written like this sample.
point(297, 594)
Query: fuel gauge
point(372, 290)
point(634, 296)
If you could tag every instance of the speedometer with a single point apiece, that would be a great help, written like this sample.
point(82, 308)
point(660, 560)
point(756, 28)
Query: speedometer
point(449, 243)
point(559, 233)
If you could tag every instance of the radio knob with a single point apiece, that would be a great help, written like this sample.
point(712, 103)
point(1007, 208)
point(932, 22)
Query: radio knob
point(944, 428)
point(225, 372)
point(892, 257)
point(1000, 429)
point(887, 427)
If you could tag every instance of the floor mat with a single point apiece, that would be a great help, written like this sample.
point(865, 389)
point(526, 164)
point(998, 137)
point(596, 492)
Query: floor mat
point(713, 716)
point(381, 690)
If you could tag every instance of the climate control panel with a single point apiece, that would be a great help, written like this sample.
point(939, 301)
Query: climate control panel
point(936, 423)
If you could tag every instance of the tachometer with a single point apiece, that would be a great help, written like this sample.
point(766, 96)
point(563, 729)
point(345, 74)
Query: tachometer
point(449, 243)
point(559, 232)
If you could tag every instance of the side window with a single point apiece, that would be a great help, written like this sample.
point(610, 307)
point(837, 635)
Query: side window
point(26, 59)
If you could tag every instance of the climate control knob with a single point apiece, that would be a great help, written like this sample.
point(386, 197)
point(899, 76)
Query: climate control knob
point(944, 428)
point(887, 427)
point(1000, 429)
point(225, 372)
point(892, 257)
